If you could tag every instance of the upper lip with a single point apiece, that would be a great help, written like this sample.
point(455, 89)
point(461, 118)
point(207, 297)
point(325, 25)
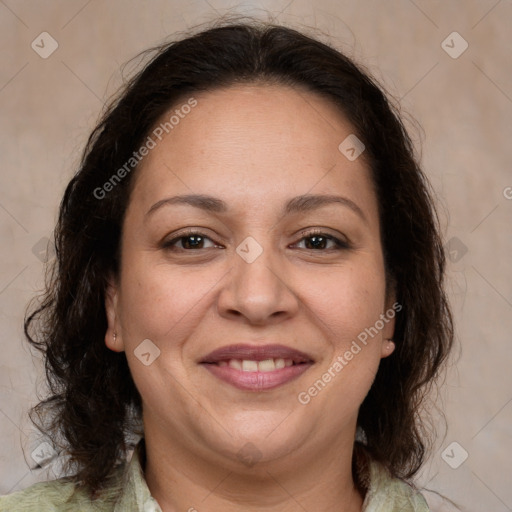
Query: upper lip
point(256, 353)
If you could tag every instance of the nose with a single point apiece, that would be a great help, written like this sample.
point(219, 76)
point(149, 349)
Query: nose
point(257, 293)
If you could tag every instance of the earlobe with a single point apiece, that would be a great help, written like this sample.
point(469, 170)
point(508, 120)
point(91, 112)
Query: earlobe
point(388, 347)
point(113, 339)
point(393, 307)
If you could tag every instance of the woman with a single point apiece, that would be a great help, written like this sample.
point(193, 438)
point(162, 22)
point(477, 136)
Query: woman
point(249, 276)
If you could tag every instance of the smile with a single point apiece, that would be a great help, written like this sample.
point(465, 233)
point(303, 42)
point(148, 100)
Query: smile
point(257, 367)
point(267, 365)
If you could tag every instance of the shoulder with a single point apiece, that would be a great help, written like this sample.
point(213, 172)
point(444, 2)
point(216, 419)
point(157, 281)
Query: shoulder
point(58, 496)
point(389, 493)
point(51, 496)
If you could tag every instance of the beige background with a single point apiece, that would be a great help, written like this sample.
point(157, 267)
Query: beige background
point(464, 105)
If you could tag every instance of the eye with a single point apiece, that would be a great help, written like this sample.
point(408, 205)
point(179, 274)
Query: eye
point(191, 240)
point(320, 241)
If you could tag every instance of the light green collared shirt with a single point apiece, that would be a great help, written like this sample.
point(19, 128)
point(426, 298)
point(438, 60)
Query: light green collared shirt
point(128, 492)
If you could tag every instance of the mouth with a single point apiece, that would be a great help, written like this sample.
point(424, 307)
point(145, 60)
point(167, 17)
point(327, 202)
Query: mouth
point(257, 368)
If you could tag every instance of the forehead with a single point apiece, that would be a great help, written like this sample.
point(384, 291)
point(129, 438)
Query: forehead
point(252, 142)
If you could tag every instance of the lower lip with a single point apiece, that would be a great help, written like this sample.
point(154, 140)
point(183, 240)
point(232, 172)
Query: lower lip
point(257, 381)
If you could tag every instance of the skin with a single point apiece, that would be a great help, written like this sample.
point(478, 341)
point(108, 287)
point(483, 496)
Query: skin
point(255, 147)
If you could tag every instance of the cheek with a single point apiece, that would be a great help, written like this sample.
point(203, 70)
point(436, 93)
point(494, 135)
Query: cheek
point(163, 305)
point(348, 300)
point(347, 304)
point(159, 301)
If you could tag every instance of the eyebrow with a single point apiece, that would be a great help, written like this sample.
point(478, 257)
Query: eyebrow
point(299, 204)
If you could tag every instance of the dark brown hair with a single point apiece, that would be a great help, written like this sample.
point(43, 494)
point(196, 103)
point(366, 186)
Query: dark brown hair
point(93, 404)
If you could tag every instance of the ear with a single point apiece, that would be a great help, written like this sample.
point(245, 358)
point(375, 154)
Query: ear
point(113, 335)
point(388, 317)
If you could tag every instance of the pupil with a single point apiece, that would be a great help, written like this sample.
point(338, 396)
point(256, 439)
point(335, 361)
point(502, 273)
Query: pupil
point(193, 241)
point(317, 242)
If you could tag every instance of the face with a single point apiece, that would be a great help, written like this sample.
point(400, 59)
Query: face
point(242, 308)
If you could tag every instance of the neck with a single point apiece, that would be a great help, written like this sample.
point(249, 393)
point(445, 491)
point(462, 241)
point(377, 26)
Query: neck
point(181, 480)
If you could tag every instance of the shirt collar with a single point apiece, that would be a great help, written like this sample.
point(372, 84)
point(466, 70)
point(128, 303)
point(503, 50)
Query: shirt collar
point(135, 493)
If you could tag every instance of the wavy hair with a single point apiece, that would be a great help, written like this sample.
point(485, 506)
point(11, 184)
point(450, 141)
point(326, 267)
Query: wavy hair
point(93, 405)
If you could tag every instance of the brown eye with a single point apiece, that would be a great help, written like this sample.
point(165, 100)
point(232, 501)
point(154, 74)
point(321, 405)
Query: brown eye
point(190, 241)
point(322, 241)
point(317, 242)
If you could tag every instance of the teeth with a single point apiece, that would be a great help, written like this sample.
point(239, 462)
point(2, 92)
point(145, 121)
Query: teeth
point(249, 366)
point(235, 363)
point(267, 365)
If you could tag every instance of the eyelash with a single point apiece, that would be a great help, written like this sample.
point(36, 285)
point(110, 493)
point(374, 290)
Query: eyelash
point(339, 244)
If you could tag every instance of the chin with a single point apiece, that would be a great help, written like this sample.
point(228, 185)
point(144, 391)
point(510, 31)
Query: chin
point(249, 445)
